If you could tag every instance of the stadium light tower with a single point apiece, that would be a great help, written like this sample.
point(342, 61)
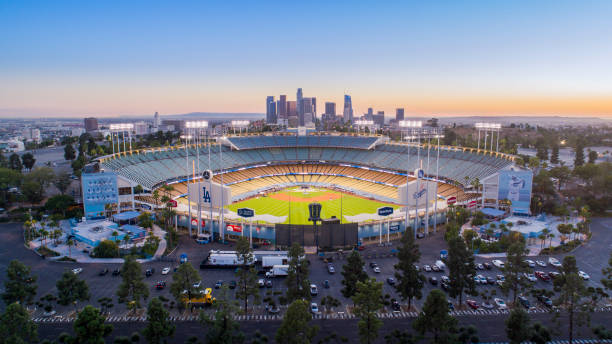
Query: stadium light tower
point(122, 128)
point(240, 124)
point(364, 124)
point(186, 138)
point(195, 127)
point(409, 126)
point(488, 127)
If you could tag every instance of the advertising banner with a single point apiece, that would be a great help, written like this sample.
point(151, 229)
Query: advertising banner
point(515, 186)
point(209, 194)
point(234, 228)
point(426, 190)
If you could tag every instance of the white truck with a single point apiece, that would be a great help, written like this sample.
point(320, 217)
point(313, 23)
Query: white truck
point(270, 261)
point(277, 270)
point(440, 264)
point(223, 260)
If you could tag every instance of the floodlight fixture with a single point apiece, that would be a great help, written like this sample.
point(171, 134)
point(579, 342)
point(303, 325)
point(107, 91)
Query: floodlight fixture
point(364, 122)
point(122, 126)
point(196, 124)
point(240, 123)
point(186, 137)
point(488, 126)
point(411, 124)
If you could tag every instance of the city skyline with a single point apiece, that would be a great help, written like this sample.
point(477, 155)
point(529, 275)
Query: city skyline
point(442, 59)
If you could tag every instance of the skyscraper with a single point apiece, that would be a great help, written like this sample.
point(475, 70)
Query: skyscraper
point(91, 124)
point(314, 108)
point(291, 108)
point(156, 121)
point(399, 114)
point(270, 110)
point(300, 105)
point(348, 109)
point(307, 112)
point(330, 108)
point(281, 110)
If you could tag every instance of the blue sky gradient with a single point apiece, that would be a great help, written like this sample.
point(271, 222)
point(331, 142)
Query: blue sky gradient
point(109, 58)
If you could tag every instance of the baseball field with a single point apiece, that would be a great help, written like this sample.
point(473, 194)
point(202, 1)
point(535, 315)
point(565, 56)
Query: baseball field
point(293, 203)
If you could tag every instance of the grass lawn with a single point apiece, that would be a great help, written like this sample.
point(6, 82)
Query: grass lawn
point(294, 202)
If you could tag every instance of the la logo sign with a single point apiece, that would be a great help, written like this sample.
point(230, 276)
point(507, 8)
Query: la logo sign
point(205, 195)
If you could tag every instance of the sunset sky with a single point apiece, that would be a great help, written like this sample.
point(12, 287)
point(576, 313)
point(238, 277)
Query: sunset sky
point(112, 58)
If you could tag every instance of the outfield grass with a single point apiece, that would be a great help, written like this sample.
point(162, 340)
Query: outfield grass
point(297, 207)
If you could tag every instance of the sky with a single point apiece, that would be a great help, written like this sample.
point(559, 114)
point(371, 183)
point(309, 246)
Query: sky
point(442, 58)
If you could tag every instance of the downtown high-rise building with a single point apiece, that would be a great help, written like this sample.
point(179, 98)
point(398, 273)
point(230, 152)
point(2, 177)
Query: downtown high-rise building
point(300, 103)
point(399, 114)
point(270, 110)
point(330, 108)
point(281, 109)
point(308, 112)
point(91, 124)
point(347, 114)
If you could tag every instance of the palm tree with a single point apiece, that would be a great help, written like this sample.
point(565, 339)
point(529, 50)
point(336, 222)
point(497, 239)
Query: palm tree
point(70, 243)
point(550, 236)
point(115, 234)
point(542, 238)
point(544, 235)
point(476, 184)
point(155, 196)
point(126, 240)
point(43, 234)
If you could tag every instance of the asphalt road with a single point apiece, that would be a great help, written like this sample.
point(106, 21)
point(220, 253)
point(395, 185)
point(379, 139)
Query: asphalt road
point(591, 257)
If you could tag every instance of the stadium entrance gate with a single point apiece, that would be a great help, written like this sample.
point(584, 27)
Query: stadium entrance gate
point(330, 235)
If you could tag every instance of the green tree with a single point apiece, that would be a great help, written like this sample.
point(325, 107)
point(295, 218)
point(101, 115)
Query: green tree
point(540, 334)
point(297, 274)
point(59, 203)
point(158, 327)
point(16, 327)
point(513, 270)
point(592, 156)
point(183, 280)
point(223, 329)
point(247, 275)
point(518, 328)
point(36, 182)
point(28, 161)
point(607, 272)
point(145, 220)
point(89, 327)
point(409, 280)
point(15, 162)
point(573, 297)
point(132, 287)
point(69, 152)
point(461, 268)
point(19, 286)
point(562, 174)
point(62, 182)
point(8, 178)
point(352, 272)
point(434, 318)
point(71, 289)
point(295, 327)
point(106, 249)
point(579, 157)
point(554, 154)
point(368, 301)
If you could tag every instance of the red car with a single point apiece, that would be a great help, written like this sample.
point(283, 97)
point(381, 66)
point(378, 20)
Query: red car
point(160, 285)
point(542, 275)
point(473, 304)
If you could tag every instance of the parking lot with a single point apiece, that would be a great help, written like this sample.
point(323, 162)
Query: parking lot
point(591, 258)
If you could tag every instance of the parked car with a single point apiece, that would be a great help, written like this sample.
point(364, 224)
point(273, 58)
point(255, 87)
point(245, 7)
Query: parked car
point(490, 280)
point(314, 291)
point(268, 283)
point(160, 285)
point(261, 283)
point(219, 284)
point(395, 305)
point(524, 302)
point(584, 275)
point(480, 279)
point(501, 304)
point(391, 281)
point(480, 266)
point(331, 269)
point(541, 263)
point(427, 268)
point(472, 304)
point(451, 307)
point(373, 265)
point(326, 284)
point(417, 268)
point(314, 308)
point(545, 300)
point(542, 275)
point(233, 284)
point(165, 271)
point(149, 272)
point(433, 280)
point(445, 279)
point(77, 271)
point(531, 277)
point(376, 269)
point(487, 266)
point(487, 305)
point(197, 284)
point(116, 272)
point(445, 286)
point(498, 263)
point(554, 262)
point(529, 263)
point(435, 268)
point(103, 272)
point(554, 274)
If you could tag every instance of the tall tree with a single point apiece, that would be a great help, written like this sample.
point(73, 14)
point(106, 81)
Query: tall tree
point(518, 328)
point(223, 329)
point(368, 301)
point(296, 328)
point(8, 178)
point(62, 182)
point(573, 297)
point(461, 268)
point(158, 327)
point(434, 318)
point(607, 272)
point(554, 154)
point(36, 182)
point(540, 334)
point(592, 156)
point(19, 286)
point(69, 152)
point(514, 269)
point(28, 160)
point(15, 162)
point(145, 220)
point(89, 327)
point(352, 272)
point(409, 280)
point(71, 289)
point(183, 280)
point(132, 287)
point(247, 276)
point(579, 158)
point(297, 274)
point(16, 327)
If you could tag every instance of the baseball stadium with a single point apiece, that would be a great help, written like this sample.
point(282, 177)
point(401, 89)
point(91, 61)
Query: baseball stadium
point(279, 175)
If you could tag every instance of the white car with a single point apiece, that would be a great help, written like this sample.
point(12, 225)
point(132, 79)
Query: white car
point(376, 269)
point(498, 263)
point(77, 271)
point(541, 263)
point(261, 283)
point(314, 308)
point(427, 268)
point(165, 270)
point(314, 291)
point(530, 277)
point(584, 275)
point(197, 284)
point(479, 266)
point(480, 279)
point(530, 262)
point(501, 304)
point(554, 262)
